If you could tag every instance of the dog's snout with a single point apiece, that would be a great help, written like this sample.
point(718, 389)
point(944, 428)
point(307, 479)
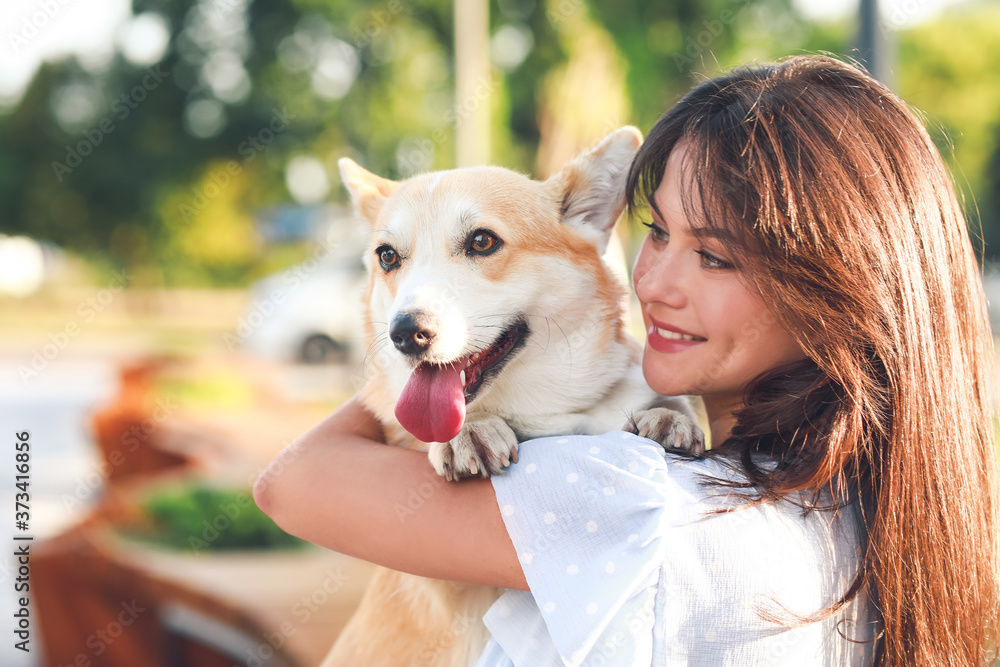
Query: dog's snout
point(413, 333)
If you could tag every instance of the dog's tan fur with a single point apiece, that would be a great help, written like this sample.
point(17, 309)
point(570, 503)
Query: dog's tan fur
point(405, 620)
point(554, 233)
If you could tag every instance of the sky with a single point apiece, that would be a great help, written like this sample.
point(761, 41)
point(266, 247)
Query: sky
point(35, 30)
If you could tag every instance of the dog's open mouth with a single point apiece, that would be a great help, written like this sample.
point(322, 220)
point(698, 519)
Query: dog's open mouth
point(432, 405)
point(489, 362)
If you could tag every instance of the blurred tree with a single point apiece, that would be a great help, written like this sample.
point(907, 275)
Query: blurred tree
point(164, 167)
point(948, 69)
point(165, 164)
point(86, 154)
point(668, 44)
point(584, 99)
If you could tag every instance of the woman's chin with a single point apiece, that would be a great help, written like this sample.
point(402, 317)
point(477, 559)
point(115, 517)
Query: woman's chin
point(665, 383)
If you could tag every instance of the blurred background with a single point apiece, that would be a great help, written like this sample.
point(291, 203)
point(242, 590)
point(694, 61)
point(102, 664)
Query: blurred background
point(179, 273)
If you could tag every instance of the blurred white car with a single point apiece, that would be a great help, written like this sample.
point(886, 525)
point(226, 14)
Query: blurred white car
point(308, 313)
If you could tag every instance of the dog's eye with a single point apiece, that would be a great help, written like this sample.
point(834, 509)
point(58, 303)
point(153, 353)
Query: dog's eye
point(482, 242)
point(387, 257)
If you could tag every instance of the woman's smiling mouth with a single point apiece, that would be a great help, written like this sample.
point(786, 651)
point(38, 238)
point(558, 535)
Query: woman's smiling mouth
point(665, 333)
point(664, 337)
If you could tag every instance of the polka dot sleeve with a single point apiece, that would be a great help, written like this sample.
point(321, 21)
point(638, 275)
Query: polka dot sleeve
point(586, 516)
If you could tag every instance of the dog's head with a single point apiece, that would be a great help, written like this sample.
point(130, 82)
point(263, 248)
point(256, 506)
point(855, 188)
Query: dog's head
point(466, 266)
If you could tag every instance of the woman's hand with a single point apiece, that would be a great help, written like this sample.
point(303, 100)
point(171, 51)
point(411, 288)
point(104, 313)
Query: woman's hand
point(339, 486)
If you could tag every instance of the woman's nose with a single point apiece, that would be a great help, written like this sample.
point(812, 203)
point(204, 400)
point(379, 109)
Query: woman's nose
point(659, 279)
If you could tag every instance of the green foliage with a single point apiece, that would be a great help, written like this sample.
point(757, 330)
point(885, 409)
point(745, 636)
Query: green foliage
point(667, 43)
point(948, 69)
point(199, 518)
point(97, 187)
point(182, 210)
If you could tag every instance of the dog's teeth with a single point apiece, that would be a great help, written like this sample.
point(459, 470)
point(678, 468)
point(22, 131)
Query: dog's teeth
point(476, 356)
point(468, 362)
point(461, 376)
point(473, 468)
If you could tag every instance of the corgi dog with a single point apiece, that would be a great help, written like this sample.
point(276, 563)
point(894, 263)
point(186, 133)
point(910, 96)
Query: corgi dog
point(497, 321)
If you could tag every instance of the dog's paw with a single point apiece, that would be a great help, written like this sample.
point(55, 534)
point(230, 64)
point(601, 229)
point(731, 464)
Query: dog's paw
point(484, 447)
point(673, 430)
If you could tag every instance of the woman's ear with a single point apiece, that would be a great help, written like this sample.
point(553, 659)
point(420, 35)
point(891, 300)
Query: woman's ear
point(591, 187)
point(368, 191)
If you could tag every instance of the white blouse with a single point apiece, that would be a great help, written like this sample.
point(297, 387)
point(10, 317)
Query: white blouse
point(627, 565)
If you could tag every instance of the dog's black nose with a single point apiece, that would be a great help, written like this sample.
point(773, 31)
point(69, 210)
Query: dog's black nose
point(413, 333)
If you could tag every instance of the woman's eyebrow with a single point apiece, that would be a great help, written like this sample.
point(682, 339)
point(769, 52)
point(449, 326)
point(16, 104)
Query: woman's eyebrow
point(652, 204)
point(706, 232)
point(703, 232)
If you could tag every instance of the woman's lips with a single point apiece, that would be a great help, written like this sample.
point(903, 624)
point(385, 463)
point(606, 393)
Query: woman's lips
point(663, 337)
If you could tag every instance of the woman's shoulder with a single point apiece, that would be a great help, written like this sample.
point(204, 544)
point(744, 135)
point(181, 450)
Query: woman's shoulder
point(620, 497)
point(586, 480)
point(632, 474)
point(621, 467)
point(616, 520)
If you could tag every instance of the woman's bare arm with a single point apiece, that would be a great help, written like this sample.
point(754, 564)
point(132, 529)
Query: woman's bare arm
point(340, 487)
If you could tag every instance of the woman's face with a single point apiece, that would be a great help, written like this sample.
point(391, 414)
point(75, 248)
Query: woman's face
point(707, 333)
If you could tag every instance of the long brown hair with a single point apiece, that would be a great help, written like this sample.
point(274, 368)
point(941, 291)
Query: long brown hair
point(839, 210)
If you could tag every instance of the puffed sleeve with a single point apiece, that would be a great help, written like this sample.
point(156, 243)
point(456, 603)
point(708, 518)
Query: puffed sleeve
point(587, 517)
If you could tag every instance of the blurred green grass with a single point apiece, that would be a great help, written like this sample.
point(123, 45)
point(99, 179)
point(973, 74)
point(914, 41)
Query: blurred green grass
point(199, 518)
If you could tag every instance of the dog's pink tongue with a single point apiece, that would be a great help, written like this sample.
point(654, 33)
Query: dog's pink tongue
point(432, 405)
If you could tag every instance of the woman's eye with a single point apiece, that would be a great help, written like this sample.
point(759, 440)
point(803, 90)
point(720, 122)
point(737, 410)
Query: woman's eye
point(387, 257)
point(657, 233)
point(482, 242)
point(713, 262)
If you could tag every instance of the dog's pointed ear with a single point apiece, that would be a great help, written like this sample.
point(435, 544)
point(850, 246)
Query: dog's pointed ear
point(591, 187)
point(368, 191)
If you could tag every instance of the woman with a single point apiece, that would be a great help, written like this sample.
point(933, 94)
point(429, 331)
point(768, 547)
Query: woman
point(808, 273)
